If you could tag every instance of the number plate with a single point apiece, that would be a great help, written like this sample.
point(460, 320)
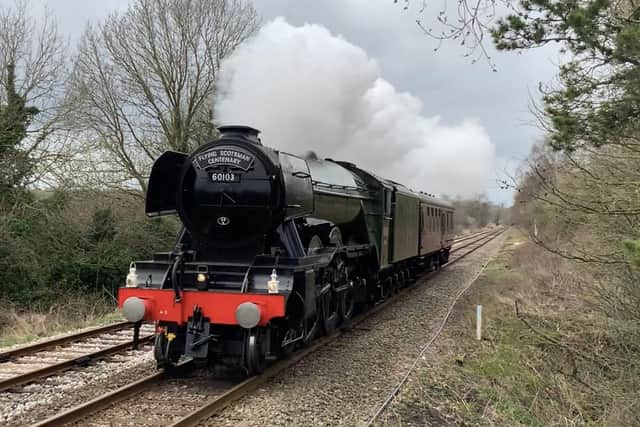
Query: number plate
point(225, 177)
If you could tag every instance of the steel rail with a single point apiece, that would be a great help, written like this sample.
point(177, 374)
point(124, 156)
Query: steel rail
point(437, 333)
point(82, 360)
point(240, 390)
point(471, 235)
point(56, 342)
point(467, 235)
point(218, 403)
point(215, 405)
point(481, 238)
point(79, 412)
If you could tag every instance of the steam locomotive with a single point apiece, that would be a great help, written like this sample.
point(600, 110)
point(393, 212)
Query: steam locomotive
point(275, 249)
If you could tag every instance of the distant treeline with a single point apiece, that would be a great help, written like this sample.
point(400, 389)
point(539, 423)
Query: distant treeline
point(477, 212)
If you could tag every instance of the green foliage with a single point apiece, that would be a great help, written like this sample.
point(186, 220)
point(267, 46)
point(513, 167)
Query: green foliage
point(103, 226)
point(74, 243)
point(15, 118)
point(599, 101)
point(512, 382)
point(554, 361)
point(581, 201)
point(632, 251)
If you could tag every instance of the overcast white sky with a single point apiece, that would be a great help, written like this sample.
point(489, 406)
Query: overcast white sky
point(446, 82)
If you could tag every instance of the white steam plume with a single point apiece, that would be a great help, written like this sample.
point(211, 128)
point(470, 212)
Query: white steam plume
point(306, 89)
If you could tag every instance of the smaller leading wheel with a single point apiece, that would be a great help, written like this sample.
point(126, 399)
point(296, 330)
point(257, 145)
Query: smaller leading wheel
point(254, 357)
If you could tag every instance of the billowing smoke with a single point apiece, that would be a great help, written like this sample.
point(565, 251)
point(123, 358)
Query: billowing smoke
point(306, 89)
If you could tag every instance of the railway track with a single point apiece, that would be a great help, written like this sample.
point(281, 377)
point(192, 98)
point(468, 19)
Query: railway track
point(32, 362)
point(468, 236)
point(480, 239)
point(182, 402)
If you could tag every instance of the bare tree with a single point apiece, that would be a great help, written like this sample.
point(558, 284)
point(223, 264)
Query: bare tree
point(32, 106)
point(467, 22)
point(145, 79)
point(583, 206)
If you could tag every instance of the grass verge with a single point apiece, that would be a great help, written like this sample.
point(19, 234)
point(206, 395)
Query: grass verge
point(547, 357)
point(20, 326)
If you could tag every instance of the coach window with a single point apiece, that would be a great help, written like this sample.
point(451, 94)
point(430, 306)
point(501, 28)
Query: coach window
point(433, 219)
point(426, 219)
point(430, 220)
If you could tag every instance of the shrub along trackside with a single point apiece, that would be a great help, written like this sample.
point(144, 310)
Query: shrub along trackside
point(60, 249)
point(553, 361)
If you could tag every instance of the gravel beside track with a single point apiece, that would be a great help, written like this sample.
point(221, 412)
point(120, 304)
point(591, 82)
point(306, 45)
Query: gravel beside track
point(163, 403)
point(47, 396)
point(344, 382)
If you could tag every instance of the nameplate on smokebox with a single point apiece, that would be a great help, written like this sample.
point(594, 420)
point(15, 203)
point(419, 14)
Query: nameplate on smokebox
point(223, 157)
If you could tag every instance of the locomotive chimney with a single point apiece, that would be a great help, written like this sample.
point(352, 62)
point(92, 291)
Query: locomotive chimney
point(245, 132)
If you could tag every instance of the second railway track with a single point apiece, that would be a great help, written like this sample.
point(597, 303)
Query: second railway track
point(471, 235)
point(179, 401)
point(29, 363)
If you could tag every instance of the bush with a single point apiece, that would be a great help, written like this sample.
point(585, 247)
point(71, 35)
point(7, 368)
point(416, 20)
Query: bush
point(78, 243)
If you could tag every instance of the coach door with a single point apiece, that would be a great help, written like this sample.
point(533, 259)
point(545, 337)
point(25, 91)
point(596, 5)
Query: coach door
point(443, 226)
point(386, 226)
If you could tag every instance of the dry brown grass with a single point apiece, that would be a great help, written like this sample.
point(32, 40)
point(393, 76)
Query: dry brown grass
point(22, 326)
point(558, 361)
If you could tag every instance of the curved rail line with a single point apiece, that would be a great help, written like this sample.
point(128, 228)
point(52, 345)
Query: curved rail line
point(81, 359)
point(493, 234)
point(468, 236)
point(237, 391)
